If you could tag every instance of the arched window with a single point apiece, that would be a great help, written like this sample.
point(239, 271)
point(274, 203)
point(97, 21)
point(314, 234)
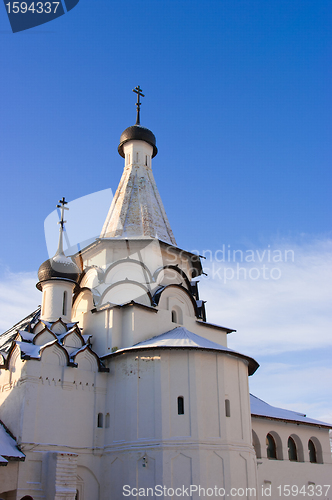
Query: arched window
point(100, 420)
point(292, 450)
point(64, 304)
point(180, 405)
point(256, 444)
point(227, 408)
point(174, 317)
point(271, 447)
point(312, 452)
point(177, 316)
point(107, 420)
point(27, 497)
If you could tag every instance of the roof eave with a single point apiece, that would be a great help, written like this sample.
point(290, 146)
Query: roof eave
point(290, 421)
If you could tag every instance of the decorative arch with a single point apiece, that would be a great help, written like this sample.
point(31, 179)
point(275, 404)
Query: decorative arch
point(135, 270)
point(41, 325)
point(55, 354)
point(87, 359)
point(58, 326)
point(91, 277)
point(256, 444)
point(131, 290)
point(179, 276)
point(274, 446)
point(87, 482)
point(44, 336)
point(182, 292)
point(318, 449)
point(14, 355)
point(298, 446)
point(82, 302)
point(292, 450)
point(72, 340)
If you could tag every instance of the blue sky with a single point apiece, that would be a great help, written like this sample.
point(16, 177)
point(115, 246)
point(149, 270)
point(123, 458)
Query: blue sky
point(238, 96)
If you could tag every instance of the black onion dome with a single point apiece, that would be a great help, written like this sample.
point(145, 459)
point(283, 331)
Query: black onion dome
point(59, 267)
point(137, 133)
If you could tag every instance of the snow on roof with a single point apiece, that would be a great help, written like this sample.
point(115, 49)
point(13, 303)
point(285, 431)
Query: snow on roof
point(8, 446)
point(261, 409)
point(182, 338)
point(7, 337)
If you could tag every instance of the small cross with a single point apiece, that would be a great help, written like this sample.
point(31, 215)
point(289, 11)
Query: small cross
point(62, 202)
point(138, 91)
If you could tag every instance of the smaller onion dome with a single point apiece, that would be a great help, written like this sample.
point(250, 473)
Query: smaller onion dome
point(137, 133)
point(59, 267)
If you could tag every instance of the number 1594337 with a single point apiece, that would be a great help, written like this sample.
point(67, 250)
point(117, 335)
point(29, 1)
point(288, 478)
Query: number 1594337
point(33, 7)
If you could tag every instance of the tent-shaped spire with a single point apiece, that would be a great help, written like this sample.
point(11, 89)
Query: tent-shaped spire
point(137, 210)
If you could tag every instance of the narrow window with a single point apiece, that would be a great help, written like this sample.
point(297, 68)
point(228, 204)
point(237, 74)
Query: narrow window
point(128, 159)
point(100, 421)
point(177, 315)
point(271, 447)
point(146, 160)
point(136, 157)
point(107, 420)
point(64, 305)
point(312, 452)
point(77, 495)
point(180, 405)
point(227, 408)
point(292, 451)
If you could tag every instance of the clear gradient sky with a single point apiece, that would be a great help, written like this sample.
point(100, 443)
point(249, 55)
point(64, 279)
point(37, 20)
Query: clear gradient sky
point(238, 94)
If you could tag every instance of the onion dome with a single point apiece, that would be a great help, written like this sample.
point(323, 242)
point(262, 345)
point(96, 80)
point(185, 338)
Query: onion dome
point(137, 133)
point(59, 267)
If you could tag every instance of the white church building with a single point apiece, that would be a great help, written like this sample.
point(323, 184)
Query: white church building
point(118, 386)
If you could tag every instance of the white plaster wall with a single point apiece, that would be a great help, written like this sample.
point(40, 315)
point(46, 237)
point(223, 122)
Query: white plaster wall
point(52, 303)
point(8, 477)
point(195, 448)
point(274, 473)
point(138, 151)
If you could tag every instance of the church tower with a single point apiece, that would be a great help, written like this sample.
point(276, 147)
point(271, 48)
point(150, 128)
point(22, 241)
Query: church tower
point(177, 398)
point(58, 277)
point(137, 209)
